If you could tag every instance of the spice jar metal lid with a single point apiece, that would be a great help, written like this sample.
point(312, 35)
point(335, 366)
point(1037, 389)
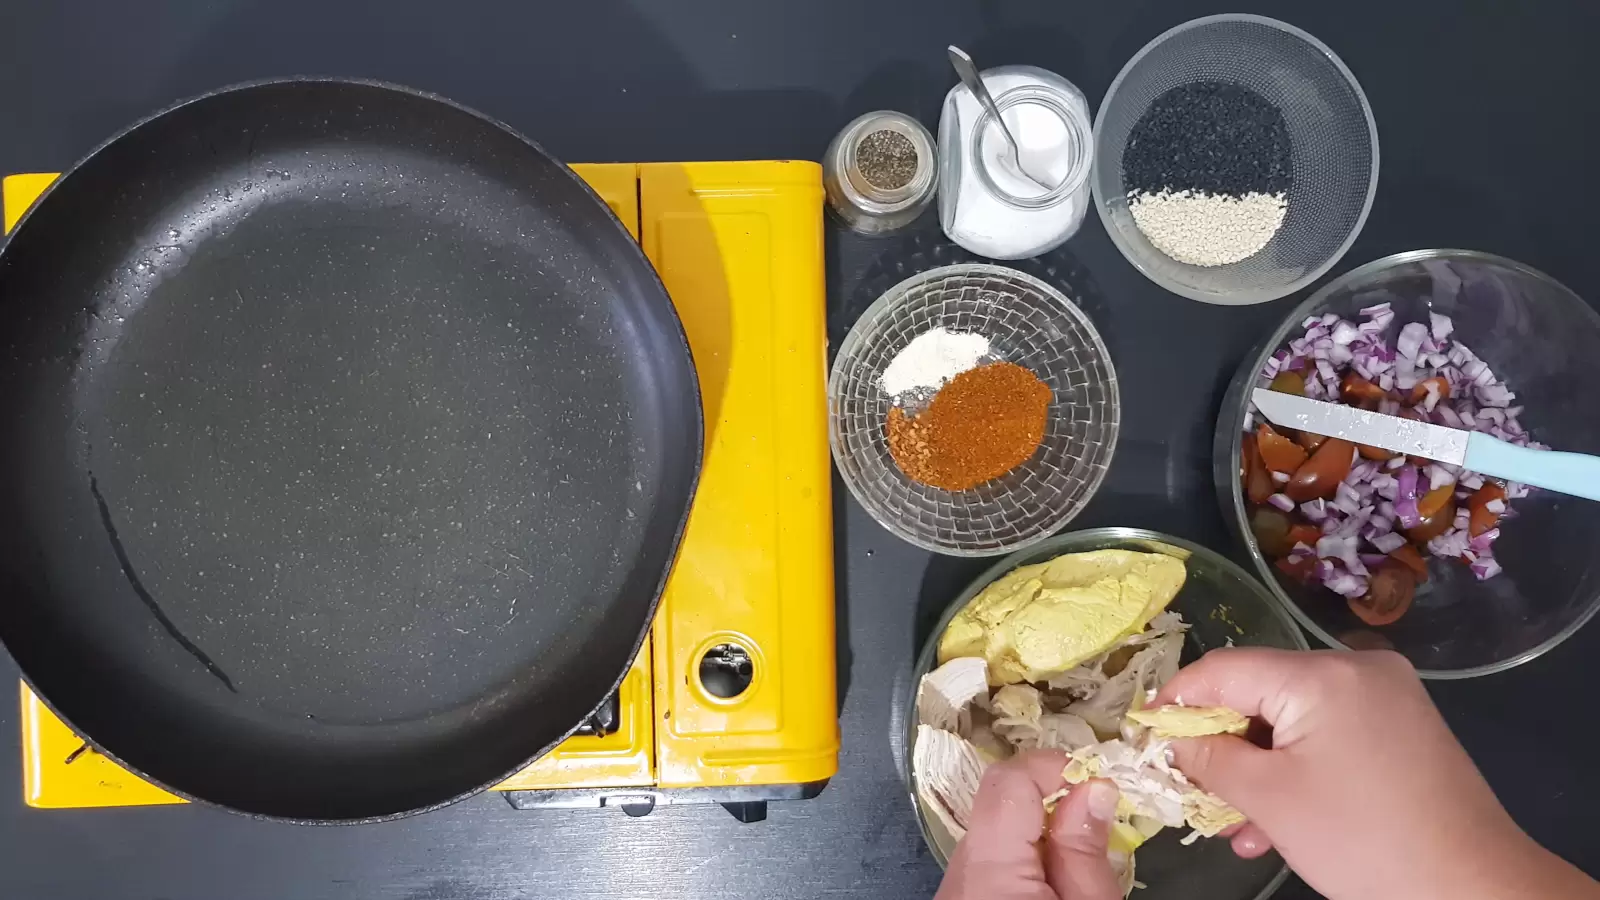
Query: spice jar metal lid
point(880, 171)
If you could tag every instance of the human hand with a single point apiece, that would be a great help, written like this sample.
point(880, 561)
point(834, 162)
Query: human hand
point(1364, 791)
point(1003, 857)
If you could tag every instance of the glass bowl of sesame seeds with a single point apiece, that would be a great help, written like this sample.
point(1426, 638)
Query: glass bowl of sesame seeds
point(1235, 161)
point(979, 318)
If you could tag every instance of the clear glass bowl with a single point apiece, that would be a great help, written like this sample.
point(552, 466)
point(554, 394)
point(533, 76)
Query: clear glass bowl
point(1223, 605)
point(1544, 341)
point(1335, 151)
point(1028, 323)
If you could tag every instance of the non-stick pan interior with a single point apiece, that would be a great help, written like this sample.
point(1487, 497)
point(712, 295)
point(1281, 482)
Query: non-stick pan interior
point(349, 442)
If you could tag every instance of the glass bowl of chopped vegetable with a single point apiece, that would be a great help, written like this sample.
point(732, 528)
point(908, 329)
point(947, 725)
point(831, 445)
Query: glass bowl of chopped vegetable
point(1464, 574)
point(1217, 605)
point(973, 410)
point(1235, 159)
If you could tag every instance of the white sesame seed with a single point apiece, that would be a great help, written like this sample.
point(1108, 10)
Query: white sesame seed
point(1208, 229)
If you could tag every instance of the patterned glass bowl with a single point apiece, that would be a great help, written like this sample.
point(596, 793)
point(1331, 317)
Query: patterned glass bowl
point(1028, 323)
point(1334, 151)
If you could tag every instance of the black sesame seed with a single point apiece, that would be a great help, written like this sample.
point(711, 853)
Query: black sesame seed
point(1209, 137)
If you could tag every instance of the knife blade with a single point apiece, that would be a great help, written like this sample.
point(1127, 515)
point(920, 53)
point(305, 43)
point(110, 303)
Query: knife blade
point(1390, 433)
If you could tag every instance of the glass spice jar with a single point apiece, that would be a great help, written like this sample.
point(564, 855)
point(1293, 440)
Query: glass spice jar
point(986, 204)
point(880, 172)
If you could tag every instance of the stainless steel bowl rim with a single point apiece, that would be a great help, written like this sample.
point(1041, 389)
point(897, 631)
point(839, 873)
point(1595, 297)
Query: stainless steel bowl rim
point(1266, 295)
point(1258, 359)
point(1054, 545)
point(855, 336)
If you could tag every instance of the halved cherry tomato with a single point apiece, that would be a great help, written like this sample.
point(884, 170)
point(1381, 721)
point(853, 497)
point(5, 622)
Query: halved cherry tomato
point(1300, 568)
point(1321, 474)
point(1257, 481)
point(1278, 452)
point(1433, 501)
point(1304, 533)
point(1411, 559)
point(1289, 383)
point(1419, 393)
point(1388, 595)
point(1478, 507)
point(1309, 441)
point(1368, 451)
point(1358, 391)
point(1270, 526)
point(1435, 525)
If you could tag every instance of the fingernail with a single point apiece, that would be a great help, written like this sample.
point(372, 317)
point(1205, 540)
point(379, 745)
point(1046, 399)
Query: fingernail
point(1103, 797)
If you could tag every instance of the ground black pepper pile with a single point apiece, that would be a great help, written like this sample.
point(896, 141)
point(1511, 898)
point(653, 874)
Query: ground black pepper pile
point(1209, 137)
point(887, 159)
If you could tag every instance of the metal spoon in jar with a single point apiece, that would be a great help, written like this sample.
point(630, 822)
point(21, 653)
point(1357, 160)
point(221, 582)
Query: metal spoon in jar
point(968, 71)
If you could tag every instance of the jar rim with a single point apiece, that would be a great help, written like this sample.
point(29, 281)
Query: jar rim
point(870, 197)
point(1078, 131)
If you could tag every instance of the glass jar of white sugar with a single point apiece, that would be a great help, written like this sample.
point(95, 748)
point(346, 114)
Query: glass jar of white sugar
point(986, 203)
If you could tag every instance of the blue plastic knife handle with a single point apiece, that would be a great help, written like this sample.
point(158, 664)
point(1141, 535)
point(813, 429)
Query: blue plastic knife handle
point(1577, 474)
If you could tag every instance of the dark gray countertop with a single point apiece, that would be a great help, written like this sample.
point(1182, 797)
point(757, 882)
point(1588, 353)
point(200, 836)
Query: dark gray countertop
point(1482, 111)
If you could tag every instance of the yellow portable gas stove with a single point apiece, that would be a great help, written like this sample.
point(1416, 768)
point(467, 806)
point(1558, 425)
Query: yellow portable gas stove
point(732, 698)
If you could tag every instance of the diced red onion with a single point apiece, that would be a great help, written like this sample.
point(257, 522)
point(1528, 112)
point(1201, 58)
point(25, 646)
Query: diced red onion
point(1346, 499)
point(1386, 381)
point(1448, 417)
point(1480, 544)
point(1376, 527)
point(1405, 500)
point(1439, 476)
point(1495, 506)
point(1351, 526)
point(1344, 333)
point(1494, 395)
point(1405, 374)
point(1314, 510)
point(1450, 544)
point(1440, 326)
point(1386, 509)
point(1282, 502)
point(1372, 311)
point(1470, 480)
point(1485, 567)
point(1280, 477)
point(1347, 585)
point(1409, 342)
point(1390, 542)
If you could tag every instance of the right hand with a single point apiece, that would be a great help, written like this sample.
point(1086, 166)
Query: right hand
point(1364, 791)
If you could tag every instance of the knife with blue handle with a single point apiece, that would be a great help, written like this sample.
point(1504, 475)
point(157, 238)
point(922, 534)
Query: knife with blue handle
point(1577, 474)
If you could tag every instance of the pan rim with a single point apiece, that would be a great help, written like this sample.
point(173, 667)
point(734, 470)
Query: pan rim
point(679, 338)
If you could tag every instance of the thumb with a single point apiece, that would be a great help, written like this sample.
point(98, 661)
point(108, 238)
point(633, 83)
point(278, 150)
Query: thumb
point(1230, 767)
point(1075, 850)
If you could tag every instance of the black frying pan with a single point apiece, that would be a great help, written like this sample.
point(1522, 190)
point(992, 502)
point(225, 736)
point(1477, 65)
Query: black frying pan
point(348, 442)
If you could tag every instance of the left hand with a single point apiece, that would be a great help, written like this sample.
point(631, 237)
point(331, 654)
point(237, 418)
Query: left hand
point(1011, 852)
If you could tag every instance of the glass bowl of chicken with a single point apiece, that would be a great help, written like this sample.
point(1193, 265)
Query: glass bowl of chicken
point(1059, 647)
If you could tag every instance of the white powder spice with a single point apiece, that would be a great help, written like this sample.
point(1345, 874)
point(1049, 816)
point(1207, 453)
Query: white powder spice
point(931, 359)
point(1208, 229)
